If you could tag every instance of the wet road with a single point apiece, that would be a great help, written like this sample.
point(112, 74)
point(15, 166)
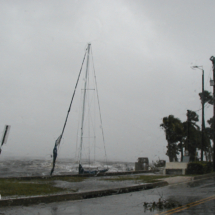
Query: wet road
point(201, 192)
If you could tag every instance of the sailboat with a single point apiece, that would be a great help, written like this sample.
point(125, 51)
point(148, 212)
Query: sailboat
point(81, 169)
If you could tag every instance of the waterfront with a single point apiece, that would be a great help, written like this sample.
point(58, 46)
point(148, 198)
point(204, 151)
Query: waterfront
point(16, 167)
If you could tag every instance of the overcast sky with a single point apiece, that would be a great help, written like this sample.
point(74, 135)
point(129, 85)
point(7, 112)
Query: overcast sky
point(142, 50)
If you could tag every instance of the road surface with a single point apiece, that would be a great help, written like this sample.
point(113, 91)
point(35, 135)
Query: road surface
point(199, 194)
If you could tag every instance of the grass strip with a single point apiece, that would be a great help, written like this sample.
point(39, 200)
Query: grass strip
point(43, 186)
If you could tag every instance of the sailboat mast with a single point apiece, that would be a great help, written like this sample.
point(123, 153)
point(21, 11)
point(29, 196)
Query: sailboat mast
point(84, 98)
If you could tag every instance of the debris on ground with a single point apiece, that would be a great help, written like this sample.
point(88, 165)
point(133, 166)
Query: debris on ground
point(161, 204)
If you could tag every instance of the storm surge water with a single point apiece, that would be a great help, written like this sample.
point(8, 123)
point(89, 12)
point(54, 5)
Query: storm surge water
point(14, 167)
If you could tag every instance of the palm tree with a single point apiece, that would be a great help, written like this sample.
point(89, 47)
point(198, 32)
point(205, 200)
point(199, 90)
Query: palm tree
point(180, 134)
point(171, 126)
point(205, 97)
point(208, 149)
point(209, 133)
point(193, 139)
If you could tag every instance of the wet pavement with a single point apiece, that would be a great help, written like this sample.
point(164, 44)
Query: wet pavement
point(132, 203)
point(99, 183)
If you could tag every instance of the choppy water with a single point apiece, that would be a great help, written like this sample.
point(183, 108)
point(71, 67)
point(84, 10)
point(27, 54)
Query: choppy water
point(12, 167)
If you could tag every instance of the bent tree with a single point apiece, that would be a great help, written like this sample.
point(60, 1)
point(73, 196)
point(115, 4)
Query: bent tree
point(180, 135)
point(170, 126)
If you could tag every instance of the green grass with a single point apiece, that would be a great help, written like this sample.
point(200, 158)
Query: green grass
point(66, 178)
point(18, 188)
point(138, 178)
point(43, 186)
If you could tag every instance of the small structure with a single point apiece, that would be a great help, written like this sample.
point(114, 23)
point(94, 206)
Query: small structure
point(142, 164)
point(176, 168)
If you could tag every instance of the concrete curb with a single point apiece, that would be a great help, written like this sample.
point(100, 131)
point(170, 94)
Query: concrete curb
point(210, 175)
point(78, 196)
point(90, 194)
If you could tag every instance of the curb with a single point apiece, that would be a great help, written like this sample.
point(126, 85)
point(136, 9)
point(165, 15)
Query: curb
point(86, 195)
point(210, 175)
point(78, 196)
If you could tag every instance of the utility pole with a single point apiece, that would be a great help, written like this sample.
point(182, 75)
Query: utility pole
point(203, 107)
point(213, 62)
point(188, 133)
point(203, 117)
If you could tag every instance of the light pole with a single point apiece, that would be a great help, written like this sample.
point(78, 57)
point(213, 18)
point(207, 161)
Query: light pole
point(203, 105)
point(212, 58)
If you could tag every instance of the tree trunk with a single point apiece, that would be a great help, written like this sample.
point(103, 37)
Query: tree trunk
point(210, 152)
point(192, 153)
point(182, 154)
point(170, 152)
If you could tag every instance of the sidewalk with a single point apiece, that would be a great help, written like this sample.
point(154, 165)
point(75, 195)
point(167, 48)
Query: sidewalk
point(103, 191)
point(178, 179)
point(183, 179)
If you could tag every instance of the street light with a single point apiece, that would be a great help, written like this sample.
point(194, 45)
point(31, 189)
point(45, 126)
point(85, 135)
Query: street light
point(203, 120)
point(212, 58)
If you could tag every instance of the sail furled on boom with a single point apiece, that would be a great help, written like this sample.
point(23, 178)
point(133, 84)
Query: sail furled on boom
point(57, 142)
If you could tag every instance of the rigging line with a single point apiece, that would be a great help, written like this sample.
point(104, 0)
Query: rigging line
point(73, 95)
point(78, 128)
point(90, 118)
point(90, 100)
point(57, 142)
point(89, 141)
point(99, 106)
point(94, 123)
point(94, 140)
point(77, 134)
point(84, 98)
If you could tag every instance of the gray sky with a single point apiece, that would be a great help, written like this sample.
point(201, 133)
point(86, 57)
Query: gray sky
point(143, 51)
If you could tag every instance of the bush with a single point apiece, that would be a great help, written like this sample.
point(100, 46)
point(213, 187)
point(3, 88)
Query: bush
point(209, 167)
point(199, 168)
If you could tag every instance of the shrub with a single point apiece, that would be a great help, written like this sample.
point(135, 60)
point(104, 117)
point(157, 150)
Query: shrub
point(199, 167)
